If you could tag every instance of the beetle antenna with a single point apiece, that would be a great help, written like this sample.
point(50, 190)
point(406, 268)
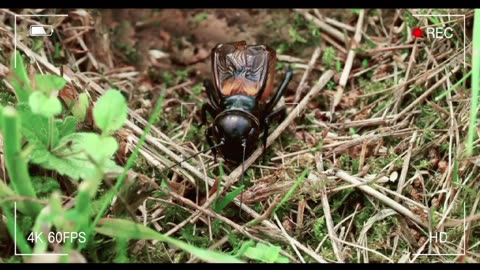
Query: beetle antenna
point(244, 145)
point(192, 156)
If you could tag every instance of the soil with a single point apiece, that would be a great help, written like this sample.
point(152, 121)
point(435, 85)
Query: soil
point(186, 35)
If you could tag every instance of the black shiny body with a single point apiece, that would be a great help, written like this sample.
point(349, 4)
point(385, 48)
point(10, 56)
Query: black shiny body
point(238, 100)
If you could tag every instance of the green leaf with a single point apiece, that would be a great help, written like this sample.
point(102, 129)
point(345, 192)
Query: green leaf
point(110, 111)
point(81, 155)
point(20, 80)
point(292, 189)
point(339, 66)
point(266, 254)
point(66, 126)
point(15, 162)
point(220, 205)
point(244, 247)
point(365, 63)
point(295, 36)
point(20, 70)
point(455, 86)
point(49, 83)
point(96, 147)
point(101, 148)
point(434, 20)
point(77, 166)
point(5, 191)
point(356, 11)
point(79, 109)
point(40, 154)
point(197, 89)
point(35, 127)
point(45, 185)
point(42, 104)
point(130, 230)
point(200, 17)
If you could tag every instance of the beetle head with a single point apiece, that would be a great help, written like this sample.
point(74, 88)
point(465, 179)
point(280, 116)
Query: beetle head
point(237, 130)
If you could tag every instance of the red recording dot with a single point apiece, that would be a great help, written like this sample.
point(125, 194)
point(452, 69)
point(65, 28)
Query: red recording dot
point(417, 32)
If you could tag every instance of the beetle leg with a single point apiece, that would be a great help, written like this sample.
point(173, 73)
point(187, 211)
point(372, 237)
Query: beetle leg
point(207, 107)
point(277, 114)
point(281, 89)
point(209, 136)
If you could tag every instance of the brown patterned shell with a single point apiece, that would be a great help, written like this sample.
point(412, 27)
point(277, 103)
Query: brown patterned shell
point(239, 68)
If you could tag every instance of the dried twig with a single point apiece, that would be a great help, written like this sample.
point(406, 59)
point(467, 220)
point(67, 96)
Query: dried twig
point(393, 204)
point(289, 239)
point(336, 23)
point(307, 72)
point(290, 59)
point(322, 25)
point(337, 249)
point(267, 213)
point(406, 164)
point(399, 93)
point(371, 221)
point(425, 94)
point(84, 47)
point(209, 213)
point(300, 216)
point(308, 251)
point(349, 62)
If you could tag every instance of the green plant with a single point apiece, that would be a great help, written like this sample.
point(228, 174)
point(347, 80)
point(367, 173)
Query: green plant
point(220, 203)
point(295, 36)
point(475, 83)
point(199, 18)
point(15, 160)
point(261, 253)
point(328, 58)
point(131, 230)
point(39, 130)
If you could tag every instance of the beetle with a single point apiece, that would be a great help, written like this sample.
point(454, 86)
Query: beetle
point(241, 99)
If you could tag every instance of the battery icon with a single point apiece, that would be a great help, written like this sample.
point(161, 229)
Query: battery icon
point(41, 30)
